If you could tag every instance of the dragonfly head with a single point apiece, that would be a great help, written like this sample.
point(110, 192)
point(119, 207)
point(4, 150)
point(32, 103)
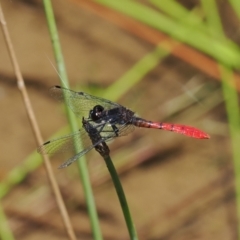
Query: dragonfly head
point(96, 113)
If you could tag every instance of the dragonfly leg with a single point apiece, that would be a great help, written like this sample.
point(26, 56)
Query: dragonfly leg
point(115, 129)
point(100, 127)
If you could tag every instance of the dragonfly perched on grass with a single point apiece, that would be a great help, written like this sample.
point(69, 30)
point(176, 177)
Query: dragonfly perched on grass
point(102, 120)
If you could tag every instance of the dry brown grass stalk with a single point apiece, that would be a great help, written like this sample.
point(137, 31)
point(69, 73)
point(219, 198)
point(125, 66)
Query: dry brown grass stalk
point(36, 131)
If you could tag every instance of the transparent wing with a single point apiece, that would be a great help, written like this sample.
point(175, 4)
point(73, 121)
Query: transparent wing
point(82, 142)
point(77, 156)
point(80, 154)
point(66, 143)
point(79, 102)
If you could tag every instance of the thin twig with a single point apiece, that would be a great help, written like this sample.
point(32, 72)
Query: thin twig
point(34, 125)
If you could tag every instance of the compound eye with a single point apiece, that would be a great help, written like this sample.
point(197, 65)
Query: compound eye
point(98, 109)
point(96, 112)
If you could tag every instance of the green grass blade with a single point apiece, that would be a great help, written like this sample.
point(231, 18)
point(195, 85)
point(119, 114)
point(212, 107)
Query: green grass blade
point(5, 231)
point(136, 73)
point(177, 11)
point(122, 198)
point(233, 113)
point(213, 19)
point(236, 6)
point(72, 120)
point(19, 173)
point(230, 97)
point(197, 39)
point(193, 19)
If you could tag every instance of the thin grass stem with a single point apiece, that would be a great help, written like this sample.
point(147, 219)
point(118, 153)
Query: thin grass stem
point(121, 197)
point(35, 127)
point(232, 107)
point(230, 97)
point(72, 120)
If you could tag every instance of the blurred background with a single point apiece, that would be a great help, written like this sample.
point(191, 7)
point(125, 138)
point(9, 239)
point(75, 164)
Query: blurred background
point(162, 59)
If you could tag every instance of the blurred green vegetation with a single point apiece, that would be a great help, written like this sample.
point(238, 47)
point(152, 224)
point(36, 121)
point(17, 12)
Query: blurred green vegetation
point(201, 28)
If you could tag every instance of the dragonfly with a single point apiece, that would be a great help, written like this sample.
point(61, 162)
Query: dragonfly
point(102, 121)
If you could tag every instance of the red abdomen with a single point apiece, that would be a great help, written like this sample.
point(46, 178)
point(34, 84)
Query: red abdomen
point(178, 128)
